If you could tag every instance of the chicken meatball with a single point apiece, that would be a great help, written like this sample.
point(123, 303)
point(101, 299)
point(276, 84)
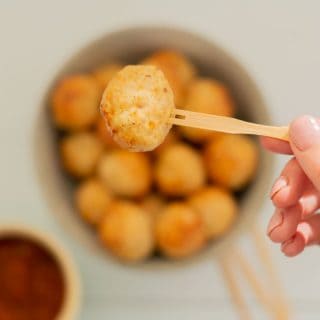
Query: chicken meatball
point(171, 138)
point(217, 208)
point(207, 96)
point(104, 135)
point(179, 170)
point(104, 74)
point(92, 199)
point(178, 70)
point(179, 231)
point(80, 153)
point(125, 173)
point(231, 160)
point(75, 102)
point(137, 105)
point(153, 204)
point(126, 230)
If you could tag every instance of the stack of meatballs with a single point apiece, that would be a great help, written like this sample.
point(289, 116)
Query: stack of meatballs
point(172, 201)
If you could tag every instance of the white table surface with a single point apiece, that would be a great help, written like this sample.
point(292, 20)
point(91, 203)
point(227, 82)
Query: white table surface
point(278, 42)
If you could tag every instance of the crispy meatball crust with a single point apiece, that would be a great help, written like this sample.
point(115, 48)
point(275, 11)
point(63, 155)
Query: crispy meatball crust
point(136, 106)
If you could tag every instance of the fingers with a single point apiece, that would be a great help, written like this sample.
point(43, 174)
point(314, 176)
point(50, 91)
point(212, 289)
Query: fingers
point(310, 229)
point(289, 187)
point(296, 193)
point(310, 201)
point(294, 245)
point(304, 135)
point(276, 145)
point(283, 224)
point(308, 233)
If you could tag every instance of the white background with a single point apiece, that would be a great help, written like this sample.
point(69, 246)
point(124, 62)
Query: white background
point(277, 41)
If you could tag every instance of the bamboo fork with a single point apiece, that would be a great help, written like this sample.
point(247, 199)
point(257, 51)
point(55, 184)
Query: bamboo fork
point(281, 306)
point(238, 259)
point(234, 289)
point(253, 280)
point(270, 297)
point(226, 124)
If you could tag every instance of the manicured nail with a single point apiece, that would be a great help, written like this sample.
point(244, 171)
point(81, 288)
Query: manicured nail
point(280, 183)
point(305, 132)
point(275, 222)
point(285, 245)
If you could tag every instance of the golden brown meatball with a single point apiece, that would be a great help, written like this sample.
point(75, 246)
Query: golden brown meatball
point(217, 208)
point(231, 160)
point(126, 173)
point(178, 70)
point(92, 199)
point(179, 170)
point(171, 138)
point(103, 134)
point(104, 74)
point(153, 204)
point(137, 105)
point(179, 231)
point(75, 102)
point(207, 96)
point(80, 153)
point(126, 230)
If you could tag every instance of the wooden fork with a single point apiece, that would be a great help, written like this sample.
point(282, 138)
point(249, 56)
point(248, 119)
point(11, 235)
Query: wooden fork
point(269, 293)
point(226, 124)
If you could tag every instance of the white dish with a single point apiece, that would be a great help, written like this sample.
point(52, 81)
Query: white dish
point(129, 45)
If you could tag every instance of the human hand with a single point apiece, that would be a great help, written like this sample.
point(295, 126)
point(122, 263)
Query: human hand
point(296, 193)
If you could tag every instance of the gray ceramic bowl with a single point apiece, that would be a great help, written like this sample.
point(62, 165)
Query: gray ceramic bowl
point(130, 45)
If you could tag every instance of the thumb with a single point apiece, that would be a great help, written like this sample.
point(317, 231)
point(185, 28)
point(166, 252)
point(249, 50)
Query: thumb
point(304, 133)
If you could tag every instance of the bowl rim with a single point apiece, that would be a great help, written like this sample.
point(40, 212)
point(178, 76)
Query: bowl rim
point(73, 295)
point(218, 247)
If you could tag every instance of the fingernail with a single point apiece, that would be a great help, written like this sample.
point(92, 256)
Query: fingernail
point(304, 132)
point(280, 183)
point(275, 222)
point(286, 244)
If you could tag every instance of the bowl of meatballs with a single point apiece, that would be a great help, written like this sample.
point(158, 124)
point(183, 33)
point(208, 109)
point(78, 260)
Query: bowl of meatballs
point(182, 200)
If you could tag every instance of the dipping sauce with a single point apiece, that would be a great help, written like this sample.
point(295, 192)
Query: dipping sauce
point(31, 281)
